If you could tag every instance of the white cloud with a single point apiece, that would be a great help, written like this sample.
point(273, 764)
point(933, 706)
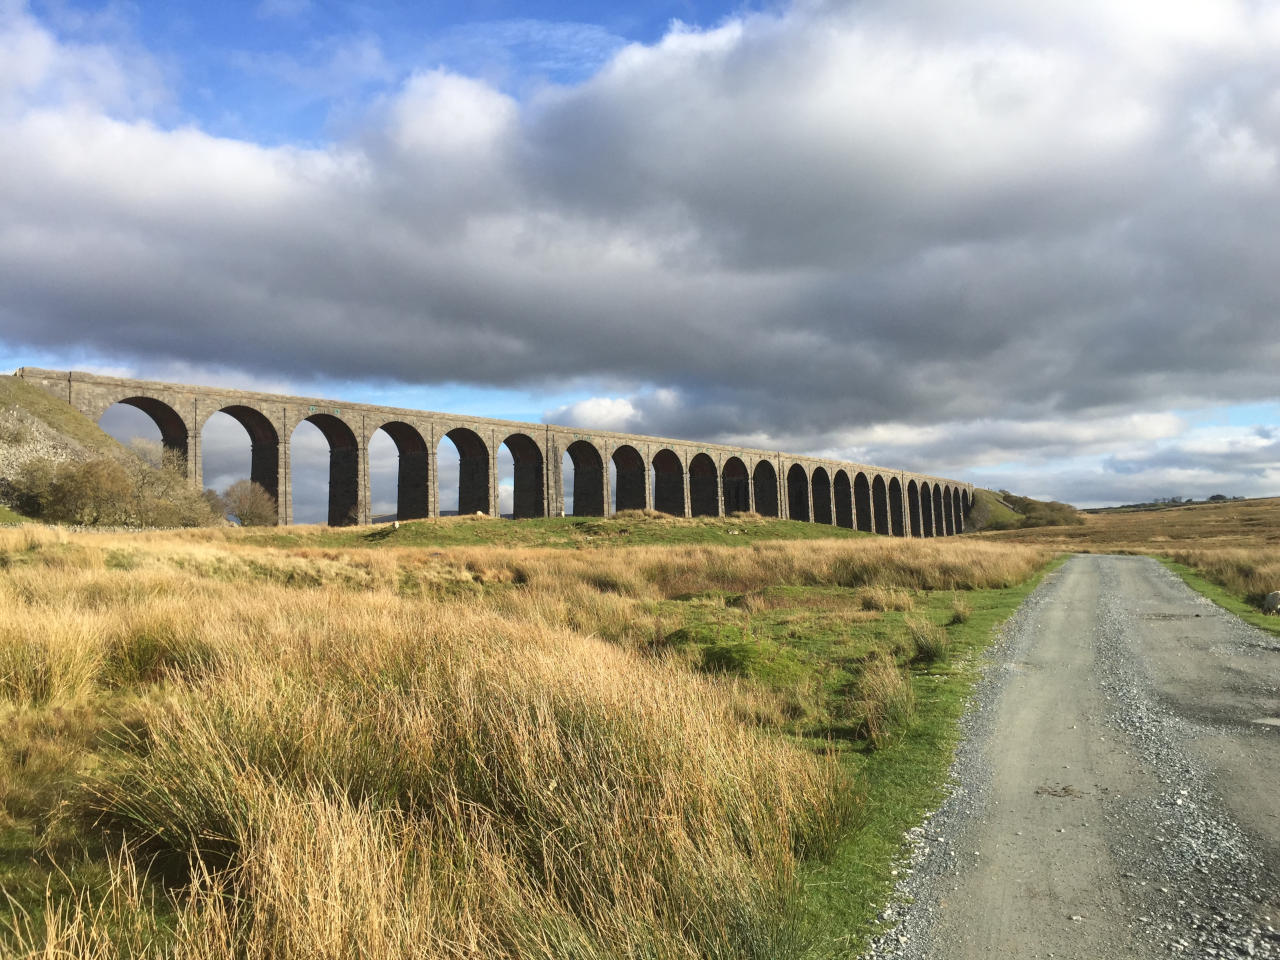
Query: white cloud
point(598, 413)
point(85, 77)
point(439, 115)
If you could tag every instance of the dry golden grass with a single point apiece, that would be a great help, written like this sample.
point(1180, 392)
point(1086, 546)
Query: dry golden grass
point(961, 610)
point(1249, 573)
point(883, 700)
point(878, 597)
point(1239, 524)
point(1235, 544)
point(424, 753)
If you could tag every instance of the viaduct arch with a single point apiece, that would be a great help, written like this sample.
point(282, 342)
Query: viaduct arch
point(672, 476)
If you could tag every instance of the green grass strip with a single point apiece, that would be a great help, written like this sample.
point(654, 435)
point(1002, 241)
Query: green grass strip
point(902, 783)
point(566, 532)
point(1223, 597)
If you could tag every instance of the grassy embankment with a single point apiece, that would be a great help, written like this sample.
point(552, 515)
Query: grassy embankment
point(22, 402)
point(224, 749)
point(1228, 551)
point(1003, 510)
point(628, 528)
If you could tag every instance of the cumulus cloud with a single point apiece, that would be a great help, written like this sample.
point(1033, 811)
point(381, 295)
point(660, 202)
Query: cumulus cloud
point(599, 413)
point(83, 74)
point(955, 222)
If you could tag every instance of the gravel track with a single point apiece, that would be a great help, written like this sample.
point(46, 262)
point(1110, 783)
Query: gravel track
point(1117, 790)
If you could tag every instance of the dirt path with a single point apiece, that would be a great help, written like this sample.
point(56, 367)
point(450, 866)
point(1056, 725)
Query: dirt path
point(1116, 795)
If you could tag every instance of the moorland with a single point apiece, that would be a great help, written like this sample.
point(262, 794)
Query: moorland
point(633, 737)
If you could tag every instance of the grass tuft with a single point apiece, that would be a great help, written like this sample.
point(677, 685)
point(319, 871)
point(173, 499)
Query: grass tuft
point(883, 702)
point(961, 610)
point(883, 598)
point(931, 643)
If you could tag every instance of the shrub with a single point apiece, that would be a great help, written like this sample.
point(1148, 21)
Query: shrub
point(96, 492)
point(31, 489)
point(110, 492)
point(14, 432)
point(1040, 513)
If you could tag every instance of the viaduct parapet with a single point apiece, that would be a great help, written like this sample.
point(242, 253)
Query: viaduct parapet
point(672, 476)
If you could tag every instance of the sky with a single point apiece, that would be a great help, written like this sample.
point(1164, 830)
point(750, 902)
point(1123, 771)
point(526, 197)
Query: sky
point(1030, 246)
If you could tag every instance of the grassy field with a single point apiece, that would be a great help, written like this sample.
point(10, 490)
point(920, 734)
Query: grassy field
point(1229, 551)
point(219, 747)
point(1235, 524)
point(628, 528)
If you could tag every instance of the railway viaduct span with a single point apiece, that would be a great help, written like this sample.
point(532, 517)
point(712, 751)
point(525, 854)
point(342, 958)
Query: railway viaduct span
point(673, 476)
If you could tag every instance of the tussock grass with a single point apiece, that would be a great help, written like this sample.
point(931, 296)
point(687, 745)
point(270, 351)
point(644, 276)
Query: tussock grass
point(1248, 573)
point(961, 610)
point(929, 640)
point(883, 702)
point(315, 751)
point(884, 598)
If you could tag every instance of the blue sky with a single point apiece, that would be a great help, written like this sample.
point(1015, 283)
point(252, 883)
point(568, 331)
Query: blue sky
point(297, 71)
point(1028, 245)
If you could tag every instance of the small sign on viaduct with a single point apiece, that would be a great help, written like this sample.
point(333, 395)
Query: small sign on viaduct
point(671, 476)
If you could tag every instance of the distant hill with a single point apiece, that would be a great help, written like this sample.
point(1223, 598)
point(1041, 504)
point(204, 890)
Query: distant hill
point(1002, 510)
point(1170, 503)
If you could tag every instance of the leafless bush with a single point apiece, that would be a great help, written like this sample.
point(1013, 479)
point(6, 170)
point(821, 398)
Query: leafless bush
point(250, 504)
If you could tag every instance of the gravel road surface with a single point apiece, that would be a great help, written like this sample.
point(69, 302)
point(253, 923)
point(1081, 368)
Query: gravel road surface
point(1117, 793)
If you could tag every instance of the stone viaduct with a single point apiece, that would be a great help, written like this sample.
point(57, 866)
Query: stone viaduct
point(672, 476)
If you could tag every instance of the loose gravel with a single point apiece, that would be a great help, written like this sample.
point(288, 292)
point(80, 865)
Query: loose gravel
point(1198, 884)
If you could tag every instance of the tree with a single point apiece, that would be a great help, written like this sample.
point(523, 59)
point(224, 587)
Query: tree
point(250, 504)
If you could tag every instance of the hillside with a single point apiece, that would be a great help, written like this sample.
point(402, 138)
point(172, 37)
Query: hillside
point(35, 424)
point(58, 466)
point(1003, 510)
point(625, 529)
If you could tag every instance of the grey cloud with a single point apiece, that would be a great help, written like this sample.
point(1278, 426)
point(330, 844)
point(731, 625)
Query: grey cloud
point(803, 224)
point(1237, 460)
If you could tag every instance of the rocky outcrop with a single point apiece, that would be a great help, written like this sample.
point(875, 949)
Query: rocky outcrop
point(24, 437)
